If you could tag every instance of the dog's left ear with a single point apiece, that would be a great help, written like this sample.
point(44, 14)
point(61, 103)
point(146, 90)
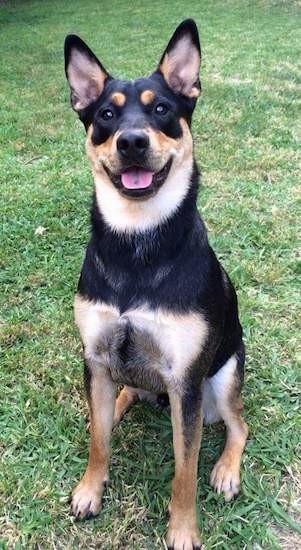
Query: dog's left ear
point(180, 63)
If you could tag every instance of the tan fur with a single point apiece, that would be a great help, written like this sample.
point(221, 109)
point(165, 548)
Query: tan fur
point(118, 99)
point(127, 397)
point(163, 345)
point(94, 320)
point(224, 396)
point(88, 493)
point(161, 149)
point(103, 154)
point(180, 337)
point(225, 476)
point(162, 146)
point(183, 531)
point(147, 97)
point(123, 214)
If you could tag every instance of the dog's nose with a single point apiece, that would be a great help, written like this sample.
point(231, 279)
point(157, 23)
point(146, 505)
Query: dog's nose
point(132, 144)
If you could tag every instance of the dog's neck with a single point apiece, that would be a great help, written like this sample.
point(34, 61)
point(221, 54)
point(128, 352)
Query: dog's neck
point(144, 245)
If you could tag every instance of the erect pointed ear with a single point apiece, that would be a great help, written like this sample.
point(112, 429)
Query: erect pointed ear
point(85, 74)
point(180, 63)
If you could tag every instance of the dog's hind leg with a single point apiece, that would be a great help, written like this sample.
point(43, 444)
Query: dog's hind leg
point(127, 397)
point(225, 390)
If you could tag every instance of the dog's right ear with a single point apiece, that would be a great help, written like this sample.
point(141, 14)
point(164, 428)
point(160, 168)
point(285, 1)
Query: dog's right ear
point(84, 72)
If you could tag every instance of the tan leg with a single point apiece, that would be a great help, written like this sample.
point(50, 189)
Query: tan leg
point(86, 501)
point(127, 397)
point(183, 533)
point(225, 475)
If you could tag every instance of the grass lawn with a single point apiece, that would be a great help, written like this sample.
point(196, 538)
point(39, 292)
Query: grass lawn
point(246, 134)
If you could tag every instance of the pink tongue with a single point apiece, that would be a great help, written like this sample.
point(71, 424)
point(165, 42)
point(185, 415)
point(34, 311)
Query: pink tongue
point(136, 178)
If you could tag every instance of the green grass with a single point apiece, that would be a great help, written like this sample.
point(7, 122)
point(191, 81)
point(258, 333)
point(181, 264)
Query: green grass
point(246, 133)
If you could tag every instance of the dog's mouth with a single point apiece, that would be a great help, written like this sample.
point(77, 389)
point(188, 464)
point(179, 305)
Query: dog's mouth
point(136, 181)
point(136, 178)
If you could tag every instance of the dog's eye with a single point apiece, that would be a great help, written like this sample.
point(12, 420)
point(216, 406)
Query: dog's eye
point(107, 114)
point(161, 109)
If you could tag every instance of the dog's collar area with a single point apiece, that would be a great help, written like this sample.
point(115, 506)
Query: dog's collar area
point(143, 188)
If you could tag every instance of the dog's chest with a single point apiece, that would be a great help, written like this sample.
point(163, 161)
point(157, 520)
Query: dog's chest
point(141, 347)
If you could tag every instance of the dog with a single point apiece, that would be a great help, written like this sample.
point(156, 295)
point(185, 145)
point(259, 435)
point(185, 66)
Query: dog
point(156, 311)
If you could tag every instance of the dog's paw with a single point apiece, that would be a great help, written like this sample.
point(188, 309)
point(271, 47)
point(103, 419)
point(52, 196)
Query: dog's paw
point(225, 479)
point(183, 538)
point(86, 500)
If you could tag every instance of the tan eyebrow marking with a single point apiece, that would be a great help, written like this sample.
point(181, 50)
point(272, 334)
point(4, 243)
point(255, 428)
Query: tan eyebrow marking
point(118, 99)
point(147, 97)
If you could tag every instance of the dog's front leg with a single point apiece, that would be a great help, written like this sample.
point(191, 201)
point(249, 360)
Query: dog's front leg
point(186, 415)
point(101, 392)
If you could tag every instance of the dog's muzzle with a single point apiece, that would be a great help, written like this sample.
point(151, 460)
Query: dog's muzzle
point(139, 182)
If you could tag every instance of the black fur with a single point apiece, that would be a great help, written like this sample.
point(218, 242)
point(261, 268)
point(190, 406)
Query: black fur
point(87, 379)
point(191, 277)
point(135, 358)
point(171, 267)
point(134, 113)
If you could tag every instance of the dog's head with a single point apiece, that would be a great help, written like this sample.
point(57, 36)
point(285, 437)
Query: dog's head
point(137, 131)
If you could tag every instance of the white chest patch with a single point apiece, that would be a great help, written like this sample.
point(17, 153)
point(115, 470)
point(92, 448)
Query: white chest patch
point(180, 337)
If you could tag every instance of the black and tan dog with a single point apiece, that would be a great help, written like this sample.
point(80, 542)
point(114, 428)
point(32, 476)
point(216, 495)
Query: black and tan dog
point(155, 309)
